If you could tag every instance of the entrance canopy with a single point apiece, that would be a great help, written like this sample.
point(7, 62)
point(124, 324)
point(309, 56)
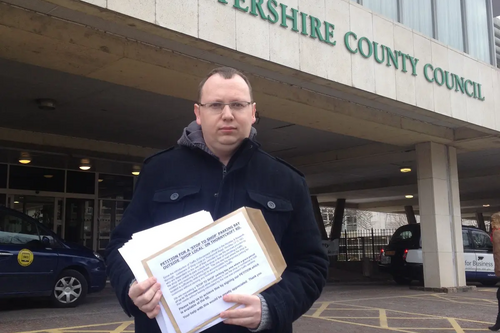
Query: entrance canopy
point(123, 88)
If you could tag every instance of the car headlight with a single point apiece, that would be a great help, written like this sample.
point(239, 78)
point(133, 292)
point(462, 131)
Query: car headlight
point(98, 256)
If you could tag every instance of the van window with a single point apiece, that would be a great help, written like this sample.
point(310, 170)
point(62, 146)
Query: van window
point(482, 241)
point(405, 234)
point(465, 238)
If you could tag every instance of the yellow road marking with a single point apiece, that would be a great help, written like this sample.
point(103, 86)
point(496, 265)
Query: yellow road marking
point(320, 310)
point(383, 318)
point(365, 325)
point(385, 297)
point(424, 315)
point(455, 325)
point(121, 328)
point(81, 328)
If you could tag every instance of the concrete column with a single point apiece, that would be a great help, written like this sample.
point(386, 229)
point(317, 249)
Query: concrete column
point(338, 218)
point(319, 217)
point(410, 215)
point(480, 221)
point(440, 218)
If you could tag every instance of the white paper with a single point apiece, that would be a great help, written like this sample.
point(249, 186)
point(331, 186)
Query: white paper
point(195, 274)
point(145, 243)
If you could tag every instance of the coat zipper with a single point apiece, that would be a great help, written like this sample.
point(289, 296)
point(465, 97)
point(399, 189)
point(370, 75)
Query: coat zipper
point(217, 202)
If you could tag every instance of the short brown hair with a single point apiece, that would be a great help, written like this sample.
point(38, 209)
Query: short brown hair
point(227, 73)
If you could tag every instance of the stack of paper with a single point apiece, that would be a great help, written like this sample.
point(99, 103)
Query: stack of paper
point(197, 261)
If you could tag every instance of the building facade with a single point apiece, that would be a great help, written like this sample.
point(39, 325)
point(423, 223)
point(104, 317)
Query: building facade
point(350, 92)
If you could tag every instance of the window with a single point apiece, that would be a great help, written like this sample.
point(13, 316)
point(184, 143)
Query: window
point(115, 187)
point(80, 182)
point(477, 29)
point(404, 234)
point(482, 241)
point(417, 14)
point(387, 8)
point(465, 238)
point(36, 179)
point(110, 215)
point(3, 177)
point(449, 23)
point(17, 231)
point(49, 238)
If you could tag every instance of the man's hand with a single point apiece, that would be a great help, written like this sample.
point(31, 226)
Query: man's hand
point(146, 296)
point(249, 316)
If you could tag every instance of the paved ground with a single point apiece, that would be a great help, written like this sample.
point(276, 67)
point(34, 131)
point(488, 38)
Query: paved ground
point(353, 307)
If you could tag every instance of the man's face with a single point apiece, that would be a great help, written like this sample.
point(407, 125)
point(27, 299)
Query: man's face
point(224, 130)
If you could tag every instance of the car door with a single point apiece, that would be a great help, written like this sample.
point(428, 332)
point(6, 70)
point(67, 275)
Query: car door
point(27, 266)
point(485, 267)
point(469, 255)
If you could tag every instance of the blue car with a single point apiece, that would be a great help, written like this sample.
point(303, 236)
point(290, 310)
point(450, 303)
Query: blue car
point(35, 262)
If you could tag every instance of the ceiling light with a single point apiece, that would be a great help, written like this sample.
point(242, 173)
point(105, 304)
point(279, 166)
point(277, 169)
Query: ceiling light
point(16, 202)
point(136, 170)
point(409, 196)
point(25, 158)
point(46, 104)
point(100, 180)
point(487, 205)
point(405, 169)
point(85, 164)
point(48, 176)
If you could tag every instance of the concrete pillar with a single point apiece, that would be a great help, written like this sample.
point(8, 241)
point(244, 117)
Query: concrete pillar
point(480, 221)
point(410, 215)
point(440, 218)
point(319, 217)
point(338, 218)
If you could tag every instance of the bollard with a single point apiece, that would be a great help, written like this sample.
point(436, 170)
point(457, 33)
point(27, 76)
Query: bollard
point(367, 267)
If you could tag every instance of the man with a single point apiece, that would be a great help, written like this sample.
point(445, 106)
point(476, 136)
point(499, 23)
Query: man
point(218, 167)
point(495, 239)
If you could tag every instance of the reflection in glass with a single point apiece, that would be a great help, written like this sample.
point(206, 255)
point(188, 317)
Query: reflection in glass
point(36, 207)
point(116, 187)
point(79, 221)
point(110, 215)
point(449, 23)
point(477, 30)
point(387, 8)
point(417, 14)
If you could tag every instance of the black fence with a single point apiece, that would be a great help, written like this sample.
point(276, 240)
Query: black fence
point(357, 244)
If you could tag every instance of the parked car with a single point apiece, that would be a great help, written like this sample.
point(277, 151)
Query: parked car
point(402, 257)
point(35, 262)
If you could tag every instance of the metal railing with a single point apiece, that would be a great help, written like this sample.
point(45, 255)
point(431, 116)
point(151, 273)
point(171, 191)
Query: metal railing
point(357, 244)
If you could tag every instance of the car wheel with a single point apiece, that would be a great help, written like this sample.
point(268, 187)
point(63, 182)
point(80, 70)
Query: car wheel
point(70, 289)
point(489, 283)
point(401, 280)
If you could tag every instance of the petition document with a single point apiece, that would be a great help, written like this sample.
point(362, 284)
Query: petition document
point(225, 257)
point(150, 241)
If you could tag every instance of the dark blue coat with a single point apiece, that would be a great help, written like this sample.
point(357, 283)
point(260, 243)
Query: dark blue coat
point(252, 178)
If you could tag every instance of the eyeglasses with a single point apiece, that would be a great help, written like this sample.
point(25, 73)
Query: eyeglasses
point(217, 107)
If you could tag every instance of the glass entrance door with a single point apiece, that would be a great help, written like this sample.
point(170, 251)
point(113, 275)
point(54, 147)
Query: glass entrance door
point(46, 210)
point(79, 219)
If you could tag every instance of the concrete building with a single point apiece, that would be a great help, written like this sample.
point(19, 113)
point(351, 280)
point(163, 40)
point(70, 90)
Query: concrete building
point(350, 93)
